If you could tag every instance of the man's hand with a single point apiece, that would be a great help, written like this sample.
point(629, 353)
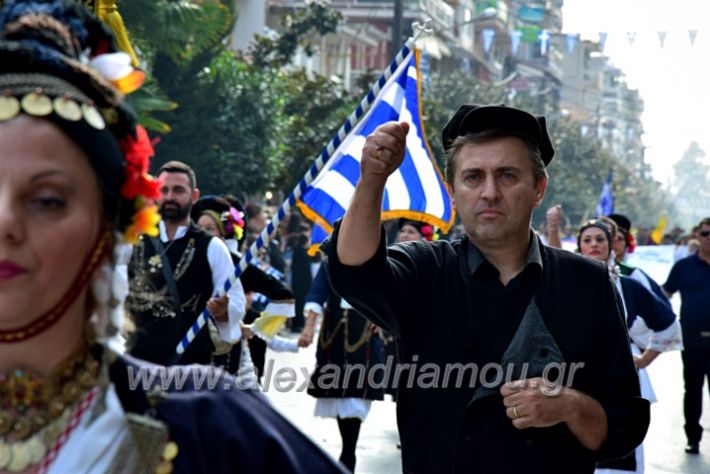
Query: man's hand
point(218, 307)
point(384, 150)
point(382, 154)
point(554, 217)
point(534, 403)
point(247, 333)
point(306, 338)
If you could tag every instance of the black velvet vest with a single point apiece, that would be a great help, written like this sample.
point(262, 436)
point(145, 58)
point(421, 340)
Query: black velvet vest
point(158, 327)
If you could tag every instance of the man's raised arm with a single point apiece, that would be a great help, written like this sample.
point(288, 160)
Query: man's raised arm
point(360, 231)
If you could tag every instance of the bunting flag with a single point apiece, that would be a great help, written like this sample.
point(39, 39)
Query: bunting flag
point(515, 36)
point(692, 34)
point(488, 34)
point(662, 38)
point(544, 41)
point(631, 36)
point(602, 41)
point(571, 42)
point(605, 206)
point(415, 191)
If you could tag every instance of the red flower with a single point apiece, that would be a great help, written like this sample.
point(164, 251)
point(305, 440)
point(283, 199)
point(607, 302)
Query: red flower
point(631, 242)
point(138, 152)
point(427, 232)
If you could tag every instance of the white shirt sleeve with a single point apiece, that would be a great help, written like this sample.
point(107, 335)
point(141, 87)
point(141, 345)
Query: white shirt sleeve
point(222, 268)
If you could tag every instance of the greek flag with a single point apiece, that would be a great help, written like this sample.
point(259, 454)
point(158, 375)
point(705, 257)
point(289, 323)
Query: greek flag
point(605, 206)
point(415, 191)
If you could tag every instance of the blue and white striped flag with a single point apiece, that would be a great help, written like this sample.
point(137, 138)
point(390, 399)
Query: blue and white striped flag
point(415, 191)
point(605, 206)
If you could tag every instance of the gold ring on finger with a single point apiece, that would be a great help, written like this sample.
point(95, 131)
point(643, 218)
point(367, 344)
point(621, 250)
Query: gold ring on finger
point(515, 412)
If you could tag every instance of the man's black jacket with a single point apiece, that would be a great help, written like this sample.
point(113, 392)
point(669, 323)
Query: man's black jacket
point(423, 293)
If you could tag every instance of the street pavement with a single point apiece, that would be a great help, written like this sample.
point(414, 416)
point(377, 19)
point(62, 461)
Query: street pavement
point(377, 451)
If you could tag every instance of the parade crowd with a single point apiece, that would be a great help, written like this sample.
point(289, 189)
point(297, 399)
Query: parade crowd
point(503, 351)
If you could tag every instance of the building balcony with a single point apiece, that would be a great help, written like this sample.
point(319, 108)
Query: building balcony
point(440, 12)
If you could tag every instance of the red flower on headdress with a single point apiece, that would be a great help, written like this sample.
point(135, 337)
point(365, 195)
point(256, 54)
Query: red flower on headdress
point(427, 232)
point(138, 152)
point(140, 186)
point(630, 242)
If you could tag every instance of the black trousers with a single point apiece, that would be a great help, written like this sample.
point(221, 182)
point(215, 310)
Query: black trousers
point(696, 368)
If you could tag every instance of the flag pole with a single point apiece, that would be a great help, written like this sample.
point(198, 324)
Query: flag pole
point(286, 206)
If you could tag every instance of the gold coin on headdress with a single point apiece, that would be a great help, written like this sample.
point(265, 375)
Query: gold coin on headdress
point(164, 467)
point(110, 115)
point(19, 457)
point(36, 104)
point(93, 117)
point(22, 427)
point(67, 109)
point(5, 422)
point(37, 450)
point(9, 107)
point(4, 455)
point(170, 451)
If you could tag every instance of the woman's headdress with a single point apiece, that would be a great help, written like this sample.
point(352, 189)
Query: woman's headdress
point(60, 63)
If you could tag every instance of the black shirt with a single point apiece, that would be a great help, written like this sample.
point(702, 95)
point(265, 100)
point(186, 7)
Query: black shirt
point(447, 305)
point(499, 308)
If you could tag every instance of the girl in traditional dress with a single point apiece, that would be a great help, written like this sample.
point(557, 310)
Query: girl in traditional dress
point(74, 185)
point(653, 328)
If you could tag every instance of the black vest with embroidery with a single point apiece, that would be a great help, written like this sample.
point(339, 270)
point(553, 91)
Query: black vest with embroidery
point(158, 328)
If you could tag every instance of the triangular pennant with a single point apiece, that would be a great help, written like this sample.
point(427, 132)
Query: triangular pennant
point(693, 34)
point(544, 41)
point(515, 40)
point(571, 42)
point(662, 38)
point(631, 35)
point(602, 41)
point(488, 34)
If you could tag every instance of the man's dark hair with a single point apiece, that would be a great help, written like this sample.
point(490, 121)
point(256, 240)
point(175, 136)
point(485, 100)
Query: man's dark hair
point(252, 210)
point(180, 167)
point(538, 166)
point(704, 221)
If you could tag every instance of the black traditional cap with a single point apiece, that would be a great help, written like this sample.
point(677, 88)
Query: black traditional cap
point(479, 118)
point(622, 221)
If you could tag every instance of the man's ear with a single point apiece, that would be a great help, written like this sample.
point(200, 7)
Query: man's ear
point(450, 190)
point(540, 188)
point(195, 195)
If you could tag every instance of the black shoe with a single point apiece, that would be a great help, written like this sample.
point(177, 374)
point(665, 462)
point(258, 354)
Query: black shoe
point(692, 448)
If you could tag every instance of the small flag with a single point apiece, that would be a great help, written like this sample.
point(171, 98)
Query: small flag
point(657, 233)
point(692, 34)
point(415, 191)
point(631, 36)
point(515, 36)
point(602, 41)
point(662, 38)
point(488, 34)
point(544, 41)
point(571, 42)
point(605, 206)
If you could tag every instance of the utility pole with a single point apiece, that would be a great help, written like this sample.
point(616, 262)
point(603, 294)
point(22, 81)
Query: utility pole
point(396, 42)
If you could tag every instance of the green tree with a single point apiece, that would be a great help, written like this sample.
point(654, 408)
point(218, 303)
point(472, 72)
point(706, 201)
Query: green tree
point(691, 171)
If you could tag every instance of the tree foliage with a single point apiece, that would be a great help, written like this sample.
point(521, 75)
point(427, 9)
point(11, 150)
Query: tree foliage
point(253, 123)
point(245, 124)
point(581, 163)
